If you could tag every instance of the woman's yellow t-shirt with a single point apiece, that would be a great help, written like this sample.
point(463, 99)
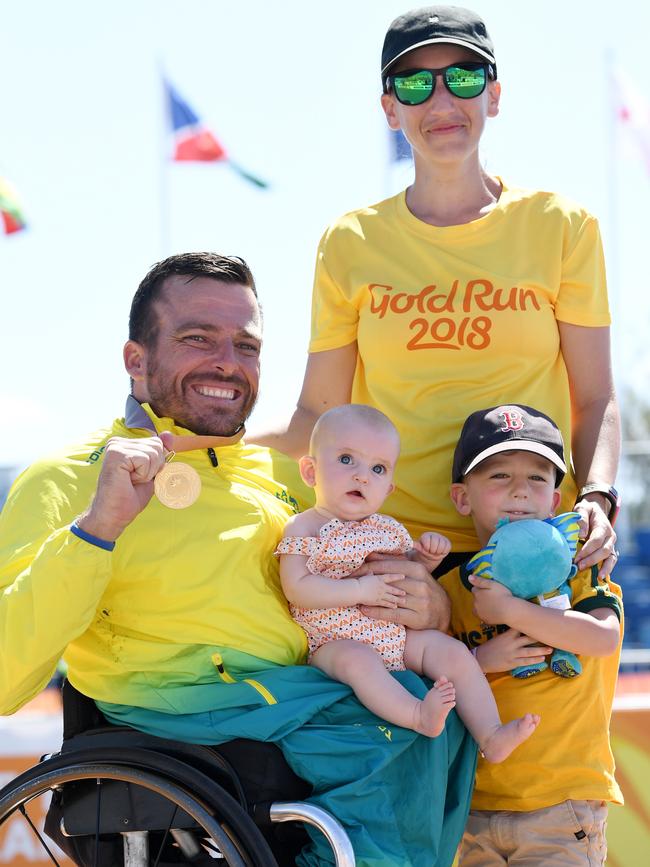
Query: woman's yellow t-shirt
point(454, 319)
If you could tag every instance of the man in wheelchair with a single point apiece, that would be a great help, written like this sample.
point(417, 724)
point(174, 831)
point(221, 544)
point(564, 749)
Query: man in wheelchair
point(143, 555)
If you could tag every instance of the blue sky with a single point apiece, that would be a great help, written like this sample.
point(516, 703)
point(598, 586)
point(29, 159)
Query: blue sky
point(292, 90)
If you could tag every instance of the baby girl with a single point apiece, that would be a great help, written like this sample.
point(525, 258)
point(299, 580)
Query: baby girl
point(353, 452)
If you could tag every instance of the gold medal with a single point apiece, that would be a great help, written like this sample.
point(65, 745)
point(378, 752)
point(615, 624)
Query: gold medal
point(177, 485)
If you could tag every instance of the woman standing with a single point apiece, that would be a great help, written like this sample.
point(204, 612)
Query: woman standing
point(462, 292)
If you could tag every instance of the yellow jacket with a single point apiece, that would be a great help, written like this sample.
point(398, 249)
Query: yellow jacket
point(179, 587)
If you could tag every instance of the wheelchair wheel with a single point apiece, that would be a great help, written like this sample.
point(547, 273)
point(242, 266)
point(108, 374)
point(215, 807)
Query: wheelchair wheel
point(117, 814)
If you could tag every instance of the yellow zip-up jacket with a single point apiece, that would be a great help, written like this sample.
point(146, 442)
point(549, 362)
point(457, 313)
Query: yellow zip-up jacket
point(181, 588)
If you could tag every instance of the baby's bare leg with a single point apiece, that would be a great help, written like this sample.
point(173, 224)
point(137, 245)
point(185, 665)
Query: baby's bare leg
point(437, 655)
point(361, 667)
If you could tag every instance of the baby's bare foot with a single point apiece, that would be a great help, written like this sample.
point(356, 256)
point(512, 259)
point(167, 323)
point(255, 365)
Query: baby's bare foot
point(433, 710)
point(507, 738)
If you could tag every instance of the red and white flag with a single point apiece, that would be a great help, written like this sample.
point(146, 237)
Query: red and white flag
point(194, 141)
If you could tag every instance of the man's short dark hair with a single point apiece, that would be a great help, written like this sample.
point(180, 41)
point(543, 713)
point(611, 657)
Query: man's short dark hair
point(143, 323)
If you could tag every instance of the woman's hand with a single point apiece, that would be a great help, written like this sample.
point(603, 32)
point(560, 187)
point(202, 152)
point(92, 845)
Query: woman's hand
point(600, 544)
point(596, 435)
point(425, 604)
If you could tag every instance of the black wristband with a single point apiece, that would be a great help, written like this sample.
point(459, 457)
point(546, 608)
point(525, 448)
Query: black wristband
point(609, 492)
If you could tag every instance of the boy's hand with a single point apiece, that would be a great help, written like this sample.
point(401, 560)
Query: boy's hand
point(508, 650)
point(490, 600)
point(380, 590)
point(432, 548)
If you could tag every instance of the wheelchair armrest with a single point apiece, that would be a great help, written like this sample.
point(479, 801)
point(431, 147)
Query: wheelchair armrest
point(292, 811)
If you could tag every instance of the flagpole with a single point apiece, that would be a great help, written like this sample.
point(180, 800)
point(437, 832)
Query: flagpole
point(613, 264)
point(164, 193)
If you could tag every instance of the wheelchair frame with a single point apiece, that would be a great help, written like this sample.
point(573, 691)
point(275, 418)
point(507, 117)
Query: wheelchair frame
point(159, 796)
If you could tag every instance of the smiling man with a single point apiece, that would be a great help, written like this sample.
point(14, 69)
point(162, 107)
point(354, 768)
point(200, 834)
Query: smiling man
point(83, 537)
point(202, 370)
point(173, 619)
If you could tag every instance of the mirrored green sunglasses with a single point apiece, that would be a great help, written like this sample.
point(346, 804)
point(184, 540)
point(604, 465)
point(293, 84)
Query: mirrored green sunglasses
point(464, 80)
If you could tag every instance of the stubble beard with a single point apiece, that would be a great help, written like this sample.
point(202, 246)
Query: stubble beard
point(167, 403)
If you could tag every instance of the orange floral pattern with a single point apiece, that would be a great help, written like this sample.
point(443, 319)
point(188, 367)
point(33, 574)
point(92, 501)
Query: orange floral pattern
point(339, 549)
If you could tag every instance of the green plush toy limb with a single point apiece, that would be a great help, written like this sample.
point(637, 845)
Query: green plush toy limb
point(534, 559)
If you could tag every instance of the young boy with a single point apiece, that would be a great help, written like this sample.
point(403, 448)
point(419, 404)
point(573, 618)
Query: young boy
point(547, 803)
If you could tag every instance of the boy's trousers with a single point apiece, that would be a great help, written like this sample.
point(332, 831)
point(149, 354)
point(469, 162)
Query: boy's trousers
point(570, 834)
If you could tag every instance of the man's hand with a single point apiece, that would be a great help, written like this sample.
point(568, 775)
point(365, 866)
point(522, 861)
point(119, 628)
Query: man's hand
point(490, 600)
point(425, 604)
point(125, 485)
point(599, 534)
point(508, 650)
point(432, 548)
point(380, 590)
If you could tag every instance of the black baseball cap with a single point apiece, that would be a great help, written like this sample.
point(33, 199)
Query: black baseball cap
point(436, 24)
point(511, 427)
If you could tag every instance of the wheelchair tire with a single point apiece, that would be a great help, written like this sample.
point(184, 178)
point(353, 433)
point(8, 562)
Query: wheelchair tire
point(230, 813)
point(194, 795)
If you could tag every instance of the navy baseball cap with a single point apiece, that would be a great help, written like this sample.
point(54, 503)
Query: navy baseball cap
point(511, 427)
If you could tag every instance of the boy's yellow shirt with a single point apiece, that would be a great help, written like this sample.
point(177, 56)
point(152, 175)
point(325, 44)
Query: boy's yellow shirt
point(569, 754)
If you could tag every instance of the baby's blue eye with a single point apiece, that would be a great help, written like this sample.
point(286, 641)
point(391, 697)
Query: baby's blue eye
point(345, 459)
point(379, 469)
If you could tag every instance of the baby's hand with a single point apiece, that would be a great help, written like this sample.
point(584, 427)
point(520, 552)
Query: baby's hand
point(432, 548)
point(379, 590)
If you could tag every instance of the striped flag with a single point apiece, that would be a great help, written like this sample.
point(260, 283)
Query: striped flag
point(194, 141)
point(633, 112)
point(11, 216)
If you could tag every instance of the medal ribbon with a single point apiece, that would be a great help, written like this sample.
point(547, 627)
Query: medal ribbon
point(135, 416)
point(176, 485)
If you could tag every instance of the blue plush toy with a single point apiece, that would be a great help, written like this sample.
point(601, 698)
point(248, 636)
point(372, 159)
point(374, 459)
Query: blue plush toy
point(534, 560)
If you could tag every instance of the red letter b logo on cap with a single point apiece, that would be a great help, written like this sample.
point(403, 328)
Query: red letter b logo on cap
point(512, 420)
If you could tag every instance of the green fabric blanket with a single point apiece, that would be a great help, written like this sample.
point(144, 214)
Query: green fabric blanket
point(402, 798)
